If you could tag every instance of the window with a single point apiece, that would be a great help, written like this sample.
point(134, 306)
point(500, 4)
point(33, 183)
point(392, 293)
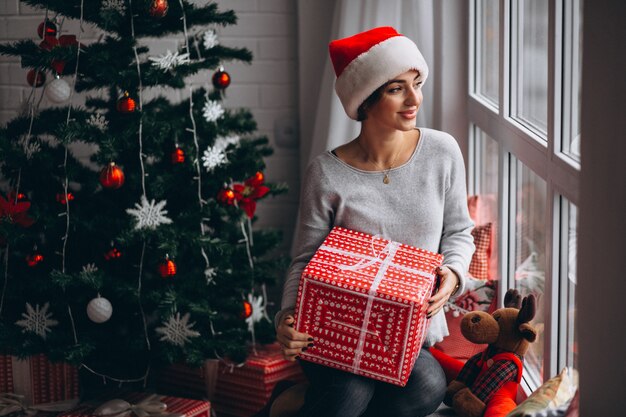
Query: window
point(524, 107)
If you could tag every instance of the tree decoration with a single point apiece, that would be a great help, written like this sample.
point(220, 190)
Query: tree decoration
point(177, 156)
point(210, 39)
point(126, 104)
point(158, 8)
point(35, 258)
point(13, 211)
point(60, 197)
point(247, 309)
point(112, 253)
point(257, 310)
point(36, 78)
point(149, 214)
point(177, 331)
point(169, 60)
point(226, 196)
point(223, 142)
point(210, 274)
point(212, 110)
point(112, 176)
point(98, 121)
point(58, 90)
point(30, 147)
point(37, 320)
point(249, 192)
point(46, 28)
point(99, 309)
point(167, 268)
point(213, 157)
point(221, 79)
point(112, 6)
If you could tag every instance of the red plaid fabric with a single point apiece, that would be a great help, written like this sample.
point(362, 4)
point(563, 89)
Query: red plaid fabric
point(479, 267)
point(486, 372)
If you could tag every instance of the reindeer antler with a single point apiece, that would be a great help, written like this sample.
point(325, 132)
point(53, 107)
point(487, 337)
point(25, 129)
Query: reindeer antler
point(512, 298)
point(528, 310)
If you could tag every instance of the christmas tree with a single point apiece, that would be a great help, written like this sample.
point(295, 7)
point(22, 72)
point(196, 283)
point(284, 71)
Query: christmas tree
point(145, 254)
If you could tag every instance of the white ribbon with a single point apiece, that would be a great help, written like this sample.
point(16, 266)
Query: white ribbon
point(10, 403)
point(390, 251)
point(147, 407)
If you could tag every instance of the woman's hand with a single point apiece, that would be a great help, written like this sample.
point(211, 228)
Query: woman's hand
point(448, 285)
point(292, 342)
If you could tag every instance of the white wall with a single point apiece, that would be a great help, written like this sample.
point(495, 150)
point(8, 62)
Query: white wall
point(602, 230)
point(268, 87)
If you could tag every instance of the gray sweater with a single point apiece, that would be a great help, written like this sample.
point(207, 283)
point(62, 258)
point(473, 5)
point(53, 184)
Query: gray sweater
point(424, 205)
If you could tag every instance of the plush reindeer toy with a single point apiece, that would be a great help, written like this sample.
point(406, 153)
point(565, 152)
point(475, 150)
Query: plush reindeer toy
point(487, 385)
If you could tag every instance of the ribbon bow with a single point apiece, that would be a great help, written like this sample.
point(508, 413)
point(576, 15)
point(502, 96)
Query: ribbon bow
point(147, 407)
point(11, 403)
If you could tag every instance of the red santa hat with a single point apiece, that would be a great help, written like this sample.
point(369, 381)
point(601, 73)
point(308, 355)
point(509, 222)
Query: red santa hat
point(367, 60)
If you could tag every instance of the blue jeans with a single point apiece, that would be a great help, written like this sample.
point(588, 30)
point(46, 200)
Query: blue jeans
point(336, 393)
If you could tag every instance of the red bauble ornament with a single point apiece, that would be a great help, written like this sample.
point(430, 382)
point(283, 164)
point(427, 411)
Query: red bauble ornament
point(61, 198)
point(112, 253)
point(158, 8)
point(167, 269)
point(34, 259)
point(112, 176)
point(36, 78)
point(178, 156)
point(221, 79)
point(126, 104)
point(226, 196)
point(247, 309)
point(50, 29)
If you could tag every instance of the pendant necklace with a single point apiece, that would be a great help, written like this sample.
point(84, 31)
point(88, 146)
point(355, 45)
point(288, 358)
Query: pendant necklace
point(386, 179)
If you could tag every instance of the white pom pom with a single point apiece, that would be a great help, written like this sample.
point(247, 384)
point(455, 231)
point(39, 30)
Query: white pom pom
point(456, 313)
point(446, 308)
point(58, 90)
point(99, 310)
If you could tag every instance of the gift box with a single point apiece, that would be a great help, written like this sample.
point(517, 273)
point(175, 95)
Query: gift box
point(37, 379)
point(243, 390)
point(364, 301)
point(148, 403)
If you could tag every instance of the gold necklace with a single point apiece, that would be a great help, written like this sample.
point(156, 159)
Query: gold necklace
point(386, 179)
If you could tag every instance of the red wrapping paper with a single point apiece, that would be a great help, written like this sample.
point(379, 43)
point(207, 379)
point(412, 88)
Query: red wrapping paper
point(364, 301)
point(175, 405)
point(242, 391)
point(38, 379)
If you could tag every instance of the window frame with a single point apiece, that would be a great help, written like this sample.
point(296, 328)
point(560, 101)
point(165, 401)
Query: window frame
point(543, 156)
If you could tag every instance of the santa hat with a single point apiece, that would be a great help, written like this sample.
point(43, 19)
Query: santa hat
point(369, 59)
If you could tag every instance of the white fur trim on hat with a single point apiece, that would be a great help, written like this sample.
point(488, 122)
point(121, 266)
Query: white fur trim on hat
point(381, 63)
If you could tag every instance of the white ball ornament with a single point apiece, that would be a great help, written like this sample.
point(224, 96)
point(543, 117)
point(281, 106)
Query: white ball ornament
point(99, 310)
point(58, 90)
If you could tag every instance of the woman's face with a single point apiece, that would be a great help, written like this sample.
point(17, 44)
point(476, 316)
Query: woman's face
point(398, 104)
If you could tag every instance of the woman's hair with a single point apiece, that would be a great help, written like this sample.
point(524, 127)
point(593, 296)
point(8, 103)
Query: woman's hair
point(361, 112)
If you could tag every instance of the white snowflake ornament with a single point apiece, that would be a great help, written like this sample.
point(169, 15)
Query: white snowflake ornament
point(212, 110)
point(149, 214)
point(177, 330)
point(37, 320)
point(210, 274)
point(258, 311)
point(213, 157)
point(210, 39)
point(30, 147)
point(169, 60)
point(98, 121)
point(116, 6)
point(222, 142)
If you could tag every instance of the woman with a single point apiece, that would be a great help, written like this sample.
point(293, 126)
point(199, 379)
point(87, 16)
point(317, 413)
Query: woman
point(404, 183)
